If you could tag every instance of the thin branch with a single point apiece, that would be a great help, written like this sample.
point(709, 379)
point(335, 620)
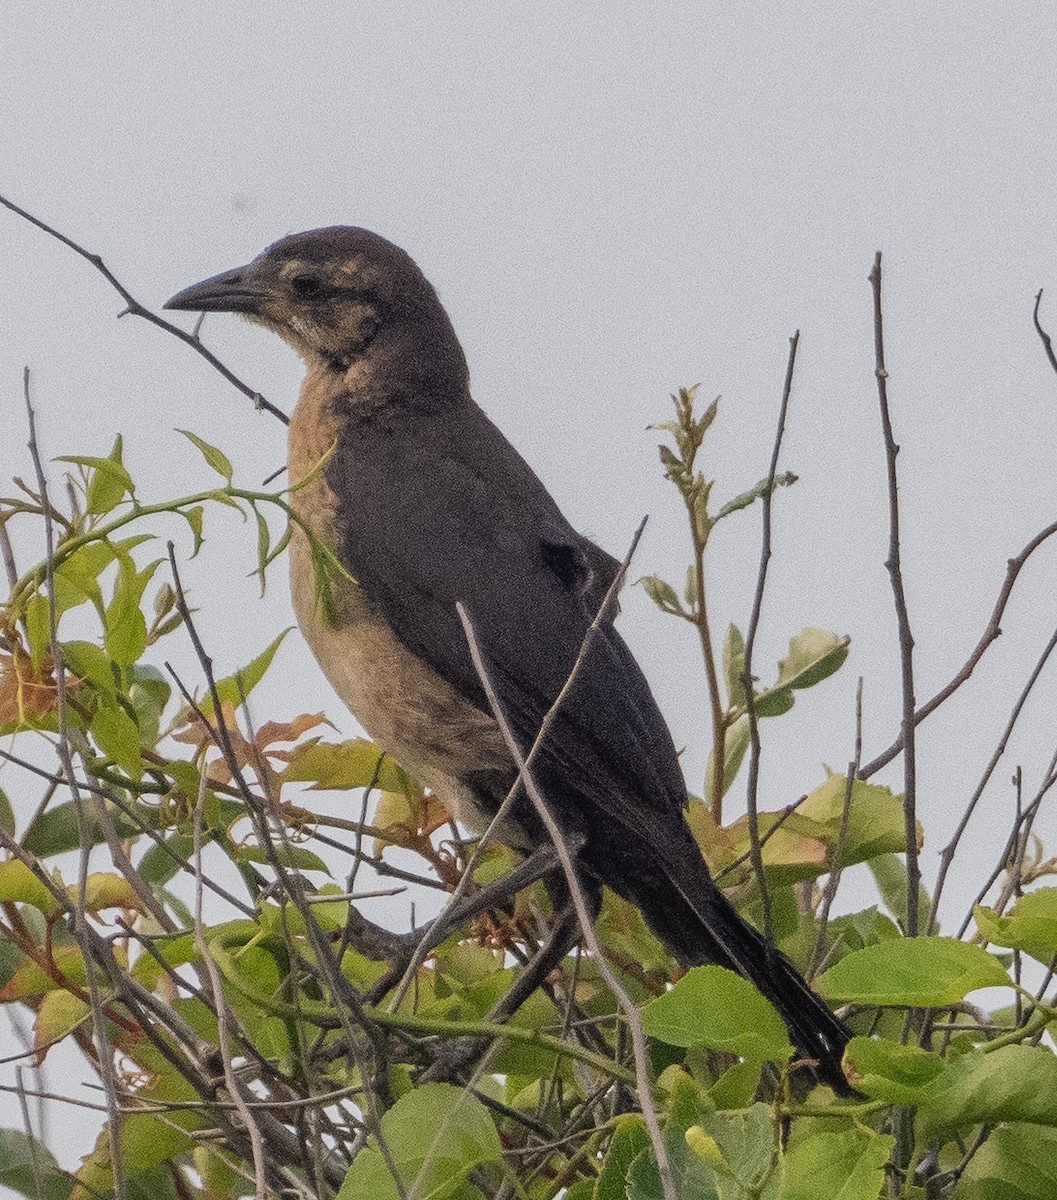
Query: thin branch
point(135, 309)
point(837, 865)
point(31, 1140)
point(81, 932)
point(991, 633)
point(8, 556)
point(578, 898)
point(222, 736)
point(1022, 823)
point(906, 639)
point(766, 500)
point(746, 855)
point(1047, 344)
point(948, 852)
point(221, 1008)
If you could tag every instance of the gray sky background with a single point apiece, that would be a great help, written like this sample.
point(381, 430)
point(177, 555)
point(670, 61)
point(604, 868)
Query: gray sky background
point(613, 200)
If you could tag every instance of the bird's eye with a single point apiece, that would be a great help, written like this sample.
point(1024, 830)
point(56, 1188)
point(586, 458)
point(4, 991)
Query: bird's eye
point(306, 286)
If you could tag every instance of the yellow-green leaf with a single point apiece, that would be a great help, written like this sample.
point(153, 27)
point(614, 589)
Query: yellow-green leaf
point(217, 459)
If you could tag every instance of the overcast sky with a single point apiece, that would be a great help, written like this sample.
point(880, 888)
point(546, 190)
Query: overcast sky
point(613, 201)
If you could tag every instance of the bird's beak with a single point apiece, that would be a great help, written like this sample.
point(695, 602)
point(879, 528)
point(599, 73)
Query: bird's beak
point(230, 291)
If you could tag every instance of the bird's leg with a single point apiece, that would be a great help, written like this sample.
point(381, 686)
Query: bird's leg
point(401, 948)
point(456, 1054)
point(563, 936)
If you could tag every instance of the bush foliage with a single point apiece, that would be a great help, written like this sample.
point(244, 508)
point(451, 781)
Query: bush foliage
point(172, 902)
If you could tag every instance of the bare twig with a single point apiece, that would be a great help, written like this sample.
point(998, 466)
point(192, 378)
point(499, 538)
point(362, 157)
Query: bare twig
point(1047, 344)
point(1021, 827)
point(947, 854)
point(221, 1008)
point(992, 631)
point(906, 639)
point(81, 932)
point(579, 900)
point(221, 736)
point(8, 555)
point(783, 816)
point(837, 865)
point(766, 500)
point(31, 1140)
point(134, 308)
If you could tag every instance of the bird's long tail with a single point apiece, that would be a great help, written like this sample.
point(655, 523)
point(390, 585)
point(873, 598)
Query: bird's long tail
point(689, 913)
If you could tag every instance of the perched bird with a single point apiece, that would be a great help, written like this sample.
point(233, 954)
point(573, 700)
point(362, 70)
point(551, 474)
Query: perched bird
point(425, 504)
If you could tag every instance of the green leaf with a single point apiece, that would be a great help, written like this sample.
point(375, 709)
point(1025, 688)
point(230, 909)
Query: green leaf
point(1014, 1083)
point(19, 885)
point(217, 459)
point(369, 1178)
point(69, 595)
point(280, 545)
point(296, 857)
point(863, 928)
point(88, 661)
point(739, 1147)
point(147, 1141)
point(734, 666)
point(774, 702)
point(38, 628)
point(195, 517)
point(735, 744)
point(699, 494)
point(148, 693)
point(584, 1189)
point(125, 635)
point(630, 1139)
point(117, 735)
point(622, 928)
point(787, 479)
point(690, 585)
point(108, 481)
point(890, 875)
point(839, 1166)
point(7, 815)
point(56, 830)
point(714, 1006)
point(922, 972)
point(175, 952)
point(29, 1168)
point(814, 655)
point(1017, 1162)
point(692, 1176)
point(80, 572)
point(161, 862)
point(264, 541)
point(59, 1013)
point(340, 766)
point(889, 1071)
point(436, 1135)
point(661, 593)
point(737, 1086)
point(219, 1173)
point(876, 823)
point(1031, 926)
point(704, 422)
point(235, 689)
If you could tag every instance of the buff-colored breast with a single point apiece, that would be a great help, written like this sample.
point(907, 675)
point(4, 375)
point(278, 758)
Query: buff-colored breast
point(405, 706)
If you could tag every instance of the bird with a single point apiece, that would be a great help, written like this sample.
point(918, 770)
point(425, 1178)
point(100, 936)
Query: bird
point(410, 502)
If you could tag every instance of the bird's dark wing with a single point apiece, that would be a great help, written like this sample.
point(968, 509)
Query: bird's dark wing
point(451, 513)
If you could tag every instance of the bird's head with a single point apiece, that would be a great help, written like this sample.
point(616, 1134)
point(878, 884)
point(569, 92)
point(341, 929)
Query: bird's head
point(338, 295)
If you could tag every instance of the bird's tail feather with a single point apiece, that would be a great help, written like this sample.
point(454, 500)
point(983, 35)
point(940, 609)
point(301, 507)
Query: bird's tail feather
point(815, 1031)
point(695, 920)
